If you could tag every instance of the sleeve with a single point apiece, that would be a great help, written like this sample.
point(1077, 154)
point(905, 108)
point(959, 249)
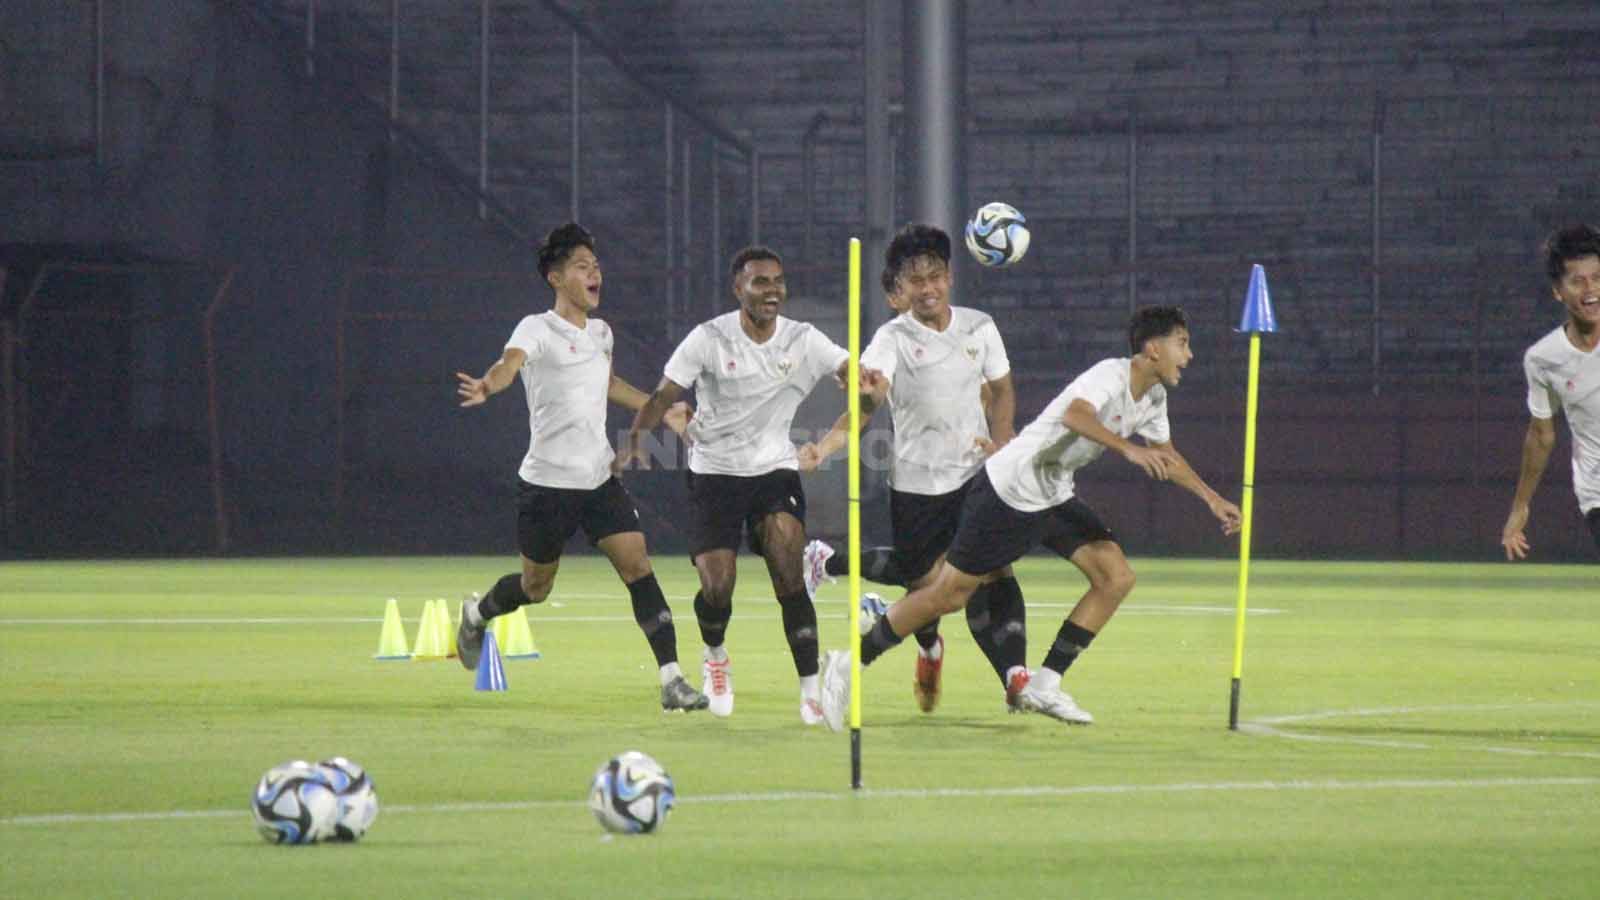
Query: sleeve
point(1539, 400)
point(688, 361)
point(881, 354)
point(529, 338)
point(1155, 428)
point(995, 362)
point(829, 356)
point(608, 340)
point(1097, 386)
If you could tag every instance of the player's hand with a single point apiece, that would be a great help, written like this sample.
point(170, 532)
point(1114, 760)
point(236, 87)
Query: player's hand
point(810, 457)
point(1228, 514)
point(677, 417)
point(873, 382)
point(985, 446)
point(626, 454)
point(472, 391)
point(1511, 536)
point(1155, 463)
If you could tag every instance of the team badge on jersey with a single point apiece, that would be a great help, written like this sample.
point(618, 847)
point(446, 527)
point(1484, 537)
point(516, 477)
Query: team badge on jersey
point(784, 365)
point(972, 353)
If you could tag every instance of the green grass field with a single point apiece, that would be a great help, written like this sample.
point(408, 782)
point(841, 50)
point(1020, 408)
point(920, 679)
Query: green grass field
point(1411, 730)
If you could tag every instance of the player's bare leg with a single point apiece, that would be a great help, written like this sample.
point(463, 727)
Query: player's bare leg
point(1111, 579)
point(532, 585)
point(783, 540)
point(713, 607)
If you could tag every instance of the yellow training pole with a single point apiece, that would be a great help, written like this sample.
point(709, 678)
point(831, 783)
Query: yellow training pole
point(1246, 505)
point(853, 394)
point(1256, 318)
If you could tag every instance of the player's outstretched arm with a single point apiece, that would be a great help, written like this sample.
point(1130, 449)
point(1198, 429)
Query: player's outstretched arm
point(648, 417)
point(1083, 419)
point(475, 391)
point(1536, 447)
point(1184, 475)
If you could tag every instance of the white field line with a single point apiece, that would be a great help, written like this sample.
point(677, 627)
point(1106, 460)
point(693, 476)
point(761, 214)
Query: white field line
point(537, 618)
point(1271, 727)
point(1396, 784)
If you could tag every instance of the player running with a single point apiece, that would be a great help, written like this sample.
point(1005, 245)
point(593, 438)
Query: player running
point(750, 369)
point(565, 481)
point(1027, 487)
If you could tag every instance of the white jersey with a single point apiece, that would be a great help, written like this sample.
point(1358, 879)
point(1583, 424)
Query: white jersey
point(746, 393)
point(1034, 471)
point(1562, 376)
point(567, 376)
point(934, 377)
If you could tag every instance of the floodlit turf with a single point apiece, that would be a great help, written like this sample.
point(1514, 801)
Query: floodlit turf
point(1413, 730)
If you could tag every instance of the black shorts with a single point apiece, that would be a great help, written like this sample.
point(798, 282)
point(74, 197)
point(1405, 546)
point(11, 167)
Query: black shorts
point(1593, 518)
point(725, 504)
point(547, 516)
point(993, 535)
point(924, 525)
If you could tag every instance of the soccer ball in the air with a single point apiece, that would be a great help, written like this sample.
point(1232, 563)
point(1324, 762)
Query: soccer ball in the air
point(358, 802)
point(997, 235)
point(631, 794)
point(294, 804)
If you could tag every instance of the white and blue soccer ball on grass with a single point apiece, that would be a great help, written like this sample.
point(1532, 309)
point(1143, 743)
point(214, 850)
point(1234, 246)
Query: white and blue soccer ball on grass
point(631, 794)
point(302, 803)
point(997, 235)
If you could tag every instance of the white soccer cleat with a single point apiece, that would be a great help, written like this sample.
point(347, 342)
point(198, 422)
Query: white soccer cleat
point(1053, 702)
point(716, 682)
point(815, 568)
point(873, 608)
point(835, 688)
point(811, 711)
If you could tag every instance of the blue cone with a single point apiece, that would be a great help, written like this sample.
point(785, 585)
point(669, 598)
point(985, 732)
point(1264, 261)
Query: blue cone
point(491, 671)
point(1257, 315)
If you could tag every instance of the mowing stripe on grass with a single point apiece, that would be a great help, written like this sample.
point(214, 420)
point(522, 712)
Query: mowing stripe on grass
point(370, 620)
point(1396, 784)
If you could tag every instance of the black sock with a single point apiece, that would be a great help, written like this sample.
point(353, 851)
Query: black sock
point(650, 610)
point(877, 564)
point(1071, 640)
point(879, 640)
point(927, 635)
point(713, 619)
point(800, 628)
point(505, 596)
point(997, 617)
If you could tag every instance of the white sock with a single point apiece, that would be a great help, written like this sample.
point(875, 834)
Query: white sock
point(716, 654)
point(935, 653)
point(669, 672)
point(810, 687)
point(1047, 679)
point(474, 618)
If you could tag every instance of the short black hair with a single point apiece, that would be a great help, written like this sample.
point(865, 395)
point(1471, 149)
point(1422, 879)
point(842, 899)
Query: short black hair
point(887, 279)
point(910, 242)
point(1151, 322)
point(1564, 244)
point(752, 252)
point(560, 244)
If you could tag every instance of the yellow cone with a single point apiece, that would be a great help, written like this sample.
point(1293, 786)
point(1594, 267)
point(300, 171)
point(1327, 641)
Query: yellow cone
point(447, 627)
point(514, 635)
point(428, 646)
point(392, 643)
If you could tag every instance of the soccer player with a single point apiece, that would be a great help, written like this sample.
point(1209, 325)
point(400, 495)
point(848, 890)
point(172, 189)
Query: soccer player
point(934, 358)
point(1026, 488)
point(565, 481)
point(750, 369)
point(1563, 370)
